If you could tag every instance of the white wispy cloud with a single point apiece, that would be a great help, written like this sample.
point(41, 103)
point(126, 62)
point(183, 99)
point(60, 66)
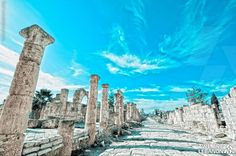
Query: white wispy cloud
point(129, 64)
point(178, 89)
point(9, 59)
point(78, 69)
point(144, 90)
point(112, 69)
point(215, 86)
point(200, 31)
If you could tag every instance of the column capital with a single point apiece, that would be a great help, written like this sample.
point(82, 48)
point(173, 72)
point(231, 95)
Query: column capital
point(36, 35)
point(95, 77)
point(105, 85)
point(119, 92)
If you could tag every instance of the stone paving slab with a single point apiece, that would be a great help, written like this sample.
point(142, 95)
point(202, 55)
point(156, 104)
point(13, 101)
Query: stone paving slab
point(162, 140)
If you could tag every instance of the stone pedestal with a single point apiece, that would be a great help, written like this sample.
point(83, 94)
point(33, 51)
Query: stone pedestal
point(66, 130)
point(104, 111)
point(18, 104)
point(90, 123)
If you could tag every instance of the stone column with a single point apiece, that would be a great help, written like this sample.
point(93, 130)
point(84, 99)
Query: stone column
point(122, 120)
point(18, 104)
point(104, 110)
point(116, 110)
point(63, 99)
point(90, 124)
point(66, 130)
point(128, 112)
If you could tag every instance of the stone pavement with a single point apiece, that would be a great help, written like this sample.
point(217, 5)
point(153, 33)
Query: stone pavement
point(166, 140)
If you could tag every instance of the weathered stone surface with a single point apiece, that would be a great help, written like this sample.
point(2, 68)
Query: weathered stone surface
point(90, 124)
point(14, 117)
point(66, 130)
point(104, 111)
point(18, 104)
point(33, 123)
point(25, 79)
point(228, 104)
point(44, 151)
point(63, 98)
point(30, 150)
point(43, 146)
point(77, 101)
point(50, 123)
point(197, 117)
point(11, 144)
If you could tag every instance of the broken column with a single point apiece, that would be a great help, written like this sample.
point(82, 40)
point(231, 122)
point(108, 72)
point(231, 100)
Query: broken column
point(90, 124)
point(66, 130)
point(18, 104)
point(104, 111)
point(63, 98)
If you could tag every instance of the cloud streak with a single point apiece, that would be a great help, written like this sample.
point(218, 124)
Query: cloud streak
point(128, 64)
point(199, 33)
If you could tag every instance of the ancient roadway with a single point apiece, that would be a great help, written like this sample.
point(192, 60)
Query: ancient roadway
point(165, 140)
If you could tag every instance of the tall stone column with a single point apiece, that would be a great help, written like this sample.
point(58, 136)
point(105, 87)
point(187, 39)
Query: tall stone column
point(128, 112)
point(104, 110)
point(117, 110)
point(63, 98)
point(90, 124)
point(18, 104)
point(122, 120)
point(66, 130)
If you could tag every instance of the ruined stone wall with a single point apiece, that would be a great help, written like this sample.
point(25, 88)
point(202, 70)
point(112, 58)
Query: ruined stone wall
point(197, 117)
point(228, 104)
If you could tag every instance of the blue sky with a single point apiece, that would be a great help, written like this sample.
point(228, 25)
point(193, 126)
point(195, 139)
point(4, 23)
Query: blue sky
point(154, 50)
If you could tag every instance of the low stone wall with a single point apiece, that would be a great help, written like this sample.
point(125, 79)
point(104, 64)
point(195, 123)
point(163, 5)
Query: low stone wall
point(228, 104)
point(42, 142)
point(197, 117)
point(48, 142)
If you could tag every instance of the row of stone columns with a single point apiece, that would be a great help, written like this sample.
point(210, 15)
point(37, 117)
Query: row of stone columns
point(132, 113)
point(18, 104)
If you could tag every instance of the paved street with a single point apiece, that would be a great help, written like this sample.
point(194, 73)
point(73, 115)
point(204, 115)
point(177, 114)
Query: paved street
point(165, 140)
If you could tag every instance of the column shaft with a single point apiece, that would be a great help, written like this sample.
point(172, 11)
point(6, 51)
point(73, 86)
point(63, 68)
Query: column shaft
point(90, 124)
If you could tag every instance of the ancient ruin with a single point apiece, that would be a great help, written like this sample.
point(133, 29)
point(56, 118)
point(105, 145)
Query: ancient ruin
point(65, 127)
point(229, 111)
point(18, 104)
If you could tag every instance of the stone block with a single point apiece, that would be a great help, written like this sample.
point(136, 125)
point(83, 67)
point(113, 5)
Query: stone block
point(57, 147)
point(30, 150)
point(47, 145)
point(31, 154)
point(44, 151)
